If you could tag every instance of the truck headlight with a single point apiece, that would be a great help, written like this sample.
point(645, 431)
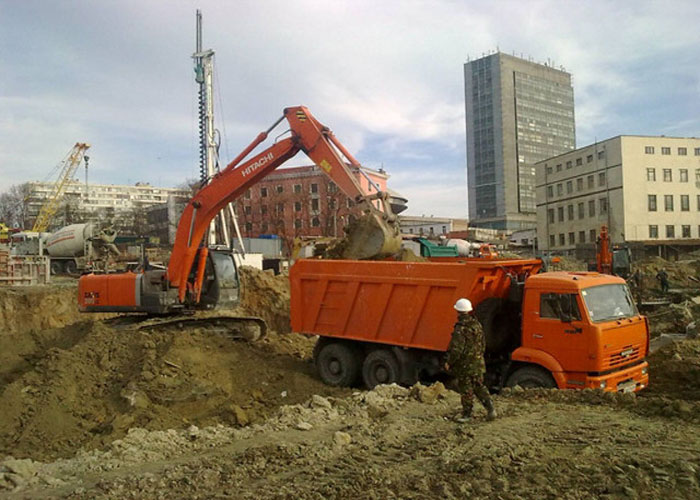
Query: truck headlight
point(603, 384)
point(644, 370)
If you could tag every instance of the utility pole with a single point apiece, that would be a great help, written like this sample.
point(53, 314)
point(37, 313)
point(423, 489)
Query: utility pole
point(208, 147)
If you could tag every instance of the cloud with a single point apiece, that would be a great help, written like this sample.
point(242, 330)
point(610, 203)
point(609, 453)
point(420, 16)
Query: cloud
point(386, 77)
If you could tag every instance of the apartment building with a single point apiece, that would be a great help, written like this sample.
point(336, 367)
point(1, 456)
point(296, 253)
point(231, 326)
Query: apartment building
point(431, 226)
point(645, 189)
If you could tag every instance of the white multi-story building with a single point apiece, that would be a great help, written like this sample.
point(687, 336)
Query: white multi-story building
point(646, 190)
point(96, 197)
point(430, 226)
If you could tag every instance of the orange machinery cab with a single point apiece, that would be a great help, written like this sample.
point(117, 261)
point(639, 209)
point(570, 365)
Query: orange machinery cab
point(586, 330)
point(149, 291)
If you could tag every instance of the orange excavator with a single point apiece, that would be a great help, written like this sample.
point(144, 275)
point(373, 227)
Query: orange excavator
point(199, 277)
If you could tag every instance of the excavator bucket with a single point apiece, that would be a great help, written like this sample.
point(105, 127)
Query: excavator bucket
point(370, 237)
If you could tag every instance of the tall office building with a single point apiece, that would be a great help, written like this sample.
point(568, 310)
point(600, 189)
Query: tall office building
point(518, 113)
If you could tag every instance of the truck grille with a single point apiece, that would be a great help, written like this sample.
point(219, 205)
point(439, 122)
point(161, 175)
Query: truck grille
point(623, 356)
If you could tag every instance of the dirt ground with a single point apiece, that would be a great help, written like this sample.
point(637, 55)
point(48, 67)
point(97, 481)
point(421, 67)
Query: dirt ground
point(93, 411)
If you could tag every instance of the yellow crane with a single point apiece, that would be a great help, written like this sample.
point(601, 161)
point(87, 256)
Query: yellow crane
point(50, 207)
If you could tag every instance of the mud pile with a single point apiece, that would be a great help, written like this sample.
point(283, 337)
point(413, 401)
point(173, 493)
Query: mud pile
point(393, 443)
point(37, 307)
point(674, 372)
point(267, 296)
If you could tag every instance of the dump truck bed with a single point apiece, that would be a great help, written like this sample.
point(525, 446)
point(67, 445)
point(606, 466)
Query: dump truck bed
point(405, 304)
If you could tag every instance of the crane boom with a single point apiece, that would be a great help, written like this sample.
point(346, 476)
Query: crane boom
point(50, 206)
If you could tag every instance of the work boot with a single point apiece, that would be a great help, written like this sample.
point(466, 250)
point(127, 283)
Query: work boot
point(490, 411)
point(464, 419)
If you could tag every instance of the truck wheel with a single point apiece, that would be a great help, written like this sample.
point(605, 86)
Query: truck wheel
point(380, 367)
point(531, 377)
point(71, 267)
point(337, 364)
point(56, 267)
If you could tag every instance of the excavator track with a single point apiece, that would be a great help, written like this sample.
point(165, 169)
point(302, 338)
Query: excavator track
point(249, 328)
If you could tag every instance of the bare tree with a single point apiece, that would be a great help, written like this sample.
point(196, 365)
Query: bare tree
point(14, 206)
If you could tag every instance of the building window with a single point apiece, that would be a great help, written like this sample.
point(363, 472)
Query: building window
point(280, 189)
point(684, 175)
point(297, 188)
point(297, 206)
point(683, 152)
point(668, 175)
point(550, 214)
point(263, 209)
point(579, 184)
point(698, 200)
point(248, 226)
point(263, 192)
point(280, 208)
point(591, 208)
point(314, 188)
point(247, 195)
point(548, 170)
point(589, 158)
point(653, 231)
point(666, 151)
point(568, 164)
point(581, 211)
point(297, 224)
point(582, 236)
point(550, 192)
point(591, 235)
point(603, 205)
point(315, 222)
point(562, 242)
point(697, 176)
point(571, 239)
point(601, 155)
point(350, 203)
point(551, 240)
point(685, 203)
point(263, 227)
point(601, 179)
point(560, 214)
point(591, 182)
point(332, 188)
point(314, 204)
point(668, 202)
point(559, 167)
point(697, 151)
point(685, 231)
point(649, 150)
point(579, 161)
point(651, 174)
point(560, 190)
point(651, 202)
point(570, 212)
point(247, 210)
point(331, 203)
point(670, 231)
point(569, 187)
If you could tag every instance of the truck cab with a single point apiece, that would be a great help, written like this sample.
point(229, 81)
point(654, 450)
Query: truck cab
point(585, 330)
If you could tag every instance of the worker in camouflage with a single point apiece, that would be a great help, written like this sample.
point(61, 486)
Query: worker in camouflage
point(465, 361)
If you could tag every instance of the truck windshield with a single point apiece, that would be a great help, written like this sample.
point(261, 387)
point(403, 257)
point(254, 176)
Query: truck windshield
point(606, 302)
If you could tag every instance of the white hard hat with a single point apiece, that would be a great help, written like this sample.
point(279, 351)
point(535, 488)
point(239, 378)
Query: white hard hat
point(463, 305)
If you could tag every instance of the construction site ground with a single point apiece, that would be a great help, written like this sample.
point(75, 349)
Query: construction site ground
point(88, 410)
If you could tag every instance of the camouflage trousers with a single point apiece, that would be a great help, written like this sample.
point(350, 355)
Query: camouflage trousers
point(468, 386)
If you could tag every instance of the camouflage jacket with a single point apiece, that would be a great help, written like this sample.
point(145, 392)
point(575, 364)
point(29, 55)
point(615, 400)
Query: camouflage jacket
point(465, 354)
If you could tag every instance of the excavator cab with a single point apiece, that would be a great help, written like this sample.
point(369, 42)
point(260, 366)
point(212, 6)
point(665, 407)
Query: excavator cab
point(221, 285)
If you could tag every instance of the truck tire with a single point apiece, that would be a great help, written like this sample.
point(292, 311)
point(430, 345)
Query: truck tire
point(56, 267)
point(500, 322)
point(337, 364)
point(531, 377)
point(380, 367)
point(71, 267)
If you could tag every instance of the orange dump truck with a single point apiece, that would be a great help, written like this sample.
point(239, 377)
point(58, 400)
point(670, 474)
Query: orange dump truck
point(392, 321)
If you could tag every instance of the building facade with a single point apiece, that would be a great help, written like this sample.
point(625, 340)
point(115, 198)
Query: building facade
point(302, 201)
point(517, 113)
point(646, 190)
point(431, 226)
point(81, 203)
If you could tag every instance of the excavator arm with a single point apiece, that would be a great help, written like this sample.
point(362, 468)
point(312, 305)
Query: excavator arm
point(377, 236)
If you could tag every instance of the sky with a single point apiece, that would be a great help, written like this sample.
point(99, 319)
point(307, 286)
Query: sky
point(386, 76)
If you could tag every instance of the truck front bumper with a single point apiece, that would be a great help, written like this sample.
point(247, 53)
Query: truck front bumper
point(632, 379)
